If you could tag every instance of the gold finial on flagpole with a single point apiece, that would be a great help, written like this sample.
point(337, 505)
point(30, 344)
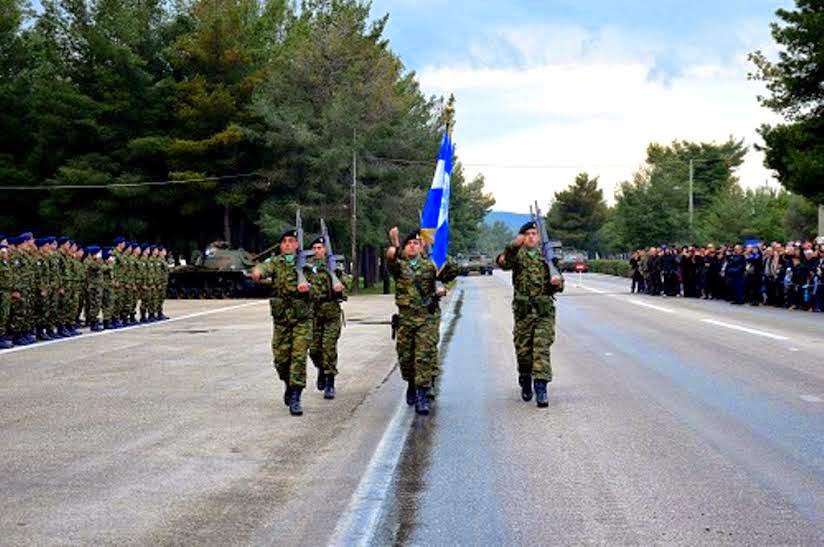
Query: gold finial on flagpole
point(449, 114)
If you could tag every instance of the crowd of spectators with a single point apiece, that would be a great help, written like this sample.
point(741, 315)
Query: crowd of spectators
point(789, 276)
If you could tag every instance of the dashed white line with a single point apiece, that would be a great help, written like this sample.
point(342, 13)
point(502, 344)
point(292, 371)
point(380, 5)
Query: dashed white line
point(745, 329)
point(86, 336)
point(812, 399)
point(793, 349)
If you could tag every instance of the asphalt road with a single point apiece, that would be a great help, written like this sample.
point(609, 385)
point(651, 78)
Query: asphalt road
point(662, 428)
point(670, 422)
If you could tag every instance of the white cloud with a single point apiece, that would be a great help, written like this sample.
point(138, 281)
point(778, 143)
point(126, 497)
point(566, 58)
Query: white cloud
point(577, 100)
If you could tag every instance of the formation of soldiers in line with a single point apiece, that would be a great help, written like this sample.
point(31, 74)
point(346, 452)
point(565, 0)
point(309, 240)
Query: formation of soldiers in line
point(306, 314)
point(789, 276)
point(52, 287)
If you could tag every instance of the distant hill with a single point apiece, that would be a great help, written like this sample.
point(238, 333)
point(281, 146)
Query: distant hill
point(513, 220)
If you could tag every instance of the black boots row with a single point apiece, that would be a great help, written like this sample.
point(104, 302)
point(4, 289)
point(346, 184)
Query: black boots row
point(539, 386)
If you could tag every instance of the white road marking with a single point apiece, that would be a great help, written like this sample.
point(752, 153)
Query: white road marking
point(794, 349)
point(86, 336)
point(745, 329)
point(652, 306)
point(358, 524)
point(608, 354)
point(812, 399)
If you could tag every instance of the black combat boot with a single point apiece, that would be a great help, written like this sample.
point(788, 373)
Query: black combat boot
point(54, 334)
point(132, 319)
point(294, 402)
point(321, 383)
point(107, 325)
point(422, 404)
point(42, 336)
point(433, 390)
point(287, 394)
point(96, 326)
point(525, 380)
point(541, 398)
point(329, 391)
point(411, 393)
point(6, 343)
point(143, 319)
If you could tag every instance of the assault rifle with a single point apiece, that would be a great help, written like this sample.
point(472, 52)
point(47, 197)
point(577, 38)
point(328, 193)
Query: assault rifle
point(546, 246)
point(300, 260)
point(331, 264)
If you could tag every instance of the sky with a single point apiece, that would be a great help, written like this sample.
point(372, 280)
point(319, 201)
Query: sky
point(547, 89)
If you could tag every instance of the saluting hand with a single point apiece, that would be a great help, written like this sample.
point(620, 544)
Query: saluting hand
point(303, 287)
point(394, 236)
point(555, 280)
point(519, 240)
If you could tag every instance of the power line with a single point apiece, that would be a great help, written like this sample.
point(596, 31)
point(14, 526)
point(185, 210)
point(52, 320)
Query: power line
point(129, 184)
point(685, 163)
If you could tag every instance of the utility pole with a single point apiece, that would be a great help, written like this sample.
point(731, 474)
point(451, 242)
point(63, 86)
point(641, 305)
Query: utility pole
point(692, 207)
point(354, 207)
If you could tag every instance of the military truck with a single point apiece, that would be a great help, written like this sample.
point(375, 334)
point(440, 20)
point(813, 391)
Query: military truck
point(479, 263)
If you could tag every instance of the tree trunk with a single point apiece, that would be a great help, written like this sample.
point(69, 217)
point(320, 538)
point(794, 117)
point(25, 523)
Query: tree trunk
point(227, 225)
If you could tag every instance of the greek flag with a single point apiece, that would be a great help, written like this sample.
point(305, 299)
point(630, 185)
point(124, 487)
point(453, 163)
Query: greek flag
point(435, 217)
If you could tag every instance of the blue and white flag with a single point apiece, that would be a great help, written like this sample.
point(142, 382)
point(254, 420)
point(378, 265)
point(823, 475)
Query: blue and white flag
point(435, 217)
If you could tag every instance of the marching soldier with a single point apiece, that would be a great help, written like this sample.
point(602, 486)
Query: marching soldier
point(326, 328)
point(533, 305)
point(291, 312)
point(418, 289)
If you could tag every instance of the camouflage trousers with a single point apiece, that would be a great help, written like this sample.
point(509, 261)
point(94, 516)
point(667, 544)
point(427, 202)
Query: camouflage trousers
point(324, 349)
point(42, 309)
point(533, 335)
point(5, 312)
point(68, 306)
point(19, 315)
point(290, 342)
point(417, 346)
point(107, 303)
point(94, 303)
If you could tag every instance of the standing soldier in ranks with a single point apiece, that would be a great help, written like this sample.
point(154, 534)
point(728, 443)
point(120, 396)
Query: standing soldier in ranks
point(80, 274)
point(6, 286)
point(164, 282)
point(118, 280)
point(67, 306)
point(533, 305)
point(130, 310)
point(327, 294)
point(94, 280)
point(22, 263)
point(291, 318)
point(418, 289)
point(107, 297)
point(56, 288)
point(43, 287)
point(127, 280)
point(143, 281)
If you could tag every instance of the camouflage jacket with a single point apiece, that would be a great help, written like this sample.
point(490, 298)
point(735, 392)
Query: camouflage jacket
point(326, 302)
point(415, 282)
point(287, 305)
point(530, 279)
point(6, 274)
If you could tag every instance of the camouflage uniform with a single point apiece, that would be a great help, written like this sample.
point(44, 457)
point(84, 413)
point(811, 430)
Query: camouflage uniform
point(533, 305)
point(164, 284)
point(94, 290)
point(108, 292)
point(327, 315)
point(419, 311)
point(291, 320)
point(42, 290)
point(6, 286)
point(20, 316)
